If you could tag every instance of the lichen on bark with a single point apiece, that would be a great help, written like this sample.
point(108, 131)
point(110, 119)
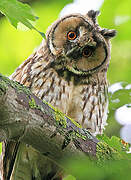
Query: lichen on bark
point(3, 87)
point(30, 118)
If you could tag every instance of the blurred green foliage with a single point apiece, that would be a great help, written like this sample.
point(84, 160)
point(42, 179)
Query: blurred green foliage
point(16, 12)
point(17, 45)
point(116, 14)
point(85, 169)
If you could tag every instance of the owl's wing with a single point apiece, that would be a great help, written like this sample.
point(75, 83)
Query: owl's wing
point(33, 66)
point(24, 74)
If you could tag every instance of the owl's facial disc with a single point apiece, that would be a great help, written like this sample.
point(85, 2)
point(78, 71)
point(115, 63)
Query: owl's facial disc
point(79, 47)
point(86, 59)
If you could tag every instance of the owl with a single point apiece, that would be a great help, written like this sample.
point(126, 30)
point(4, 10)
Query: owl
point(69, 71)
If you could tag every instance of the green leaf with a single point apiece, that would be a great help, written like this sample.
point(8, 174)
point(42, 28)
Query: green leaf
point(16, 12)
point(116, 143)
point(119, 98)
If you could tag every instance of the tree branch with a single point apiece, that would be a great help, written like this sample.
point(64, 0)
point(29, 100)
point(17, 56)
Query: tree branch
point(26, 118)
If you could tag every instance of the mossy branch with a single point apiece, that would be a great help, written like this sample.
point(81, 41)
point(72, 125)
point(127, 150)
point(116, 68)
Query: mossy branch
point(26, 118)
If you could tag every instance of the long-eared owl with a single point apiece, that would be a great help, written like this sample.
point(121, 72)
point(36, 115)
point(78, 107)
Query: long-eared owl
point(68, 71)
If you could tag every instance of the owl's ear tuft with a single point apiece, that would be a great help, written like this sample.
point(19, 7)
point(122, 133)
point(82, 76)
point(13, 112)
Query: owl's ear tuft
point(108, 33)
point(93, 14)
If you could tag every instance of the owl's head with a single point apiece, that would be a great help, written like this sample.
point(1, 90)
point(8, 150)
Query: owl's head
point(78, 44)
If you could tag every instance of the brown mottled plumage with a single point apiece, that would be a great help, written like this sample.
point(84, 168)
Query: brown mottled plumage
point(68, 71)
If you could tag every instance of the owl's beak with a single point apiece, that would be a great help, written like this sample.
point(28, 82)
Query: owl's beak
point(71, 51)
point(74, 53)
point(77, 52)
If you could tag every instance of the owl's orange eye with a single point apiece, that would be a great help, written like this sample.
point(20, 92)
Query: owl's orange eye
point(71, 35)
point(87, 52)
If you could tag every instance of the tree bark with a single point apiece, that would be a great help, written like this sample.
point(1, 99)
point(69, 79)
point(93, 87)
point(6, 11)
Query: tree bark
point(26, 118)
